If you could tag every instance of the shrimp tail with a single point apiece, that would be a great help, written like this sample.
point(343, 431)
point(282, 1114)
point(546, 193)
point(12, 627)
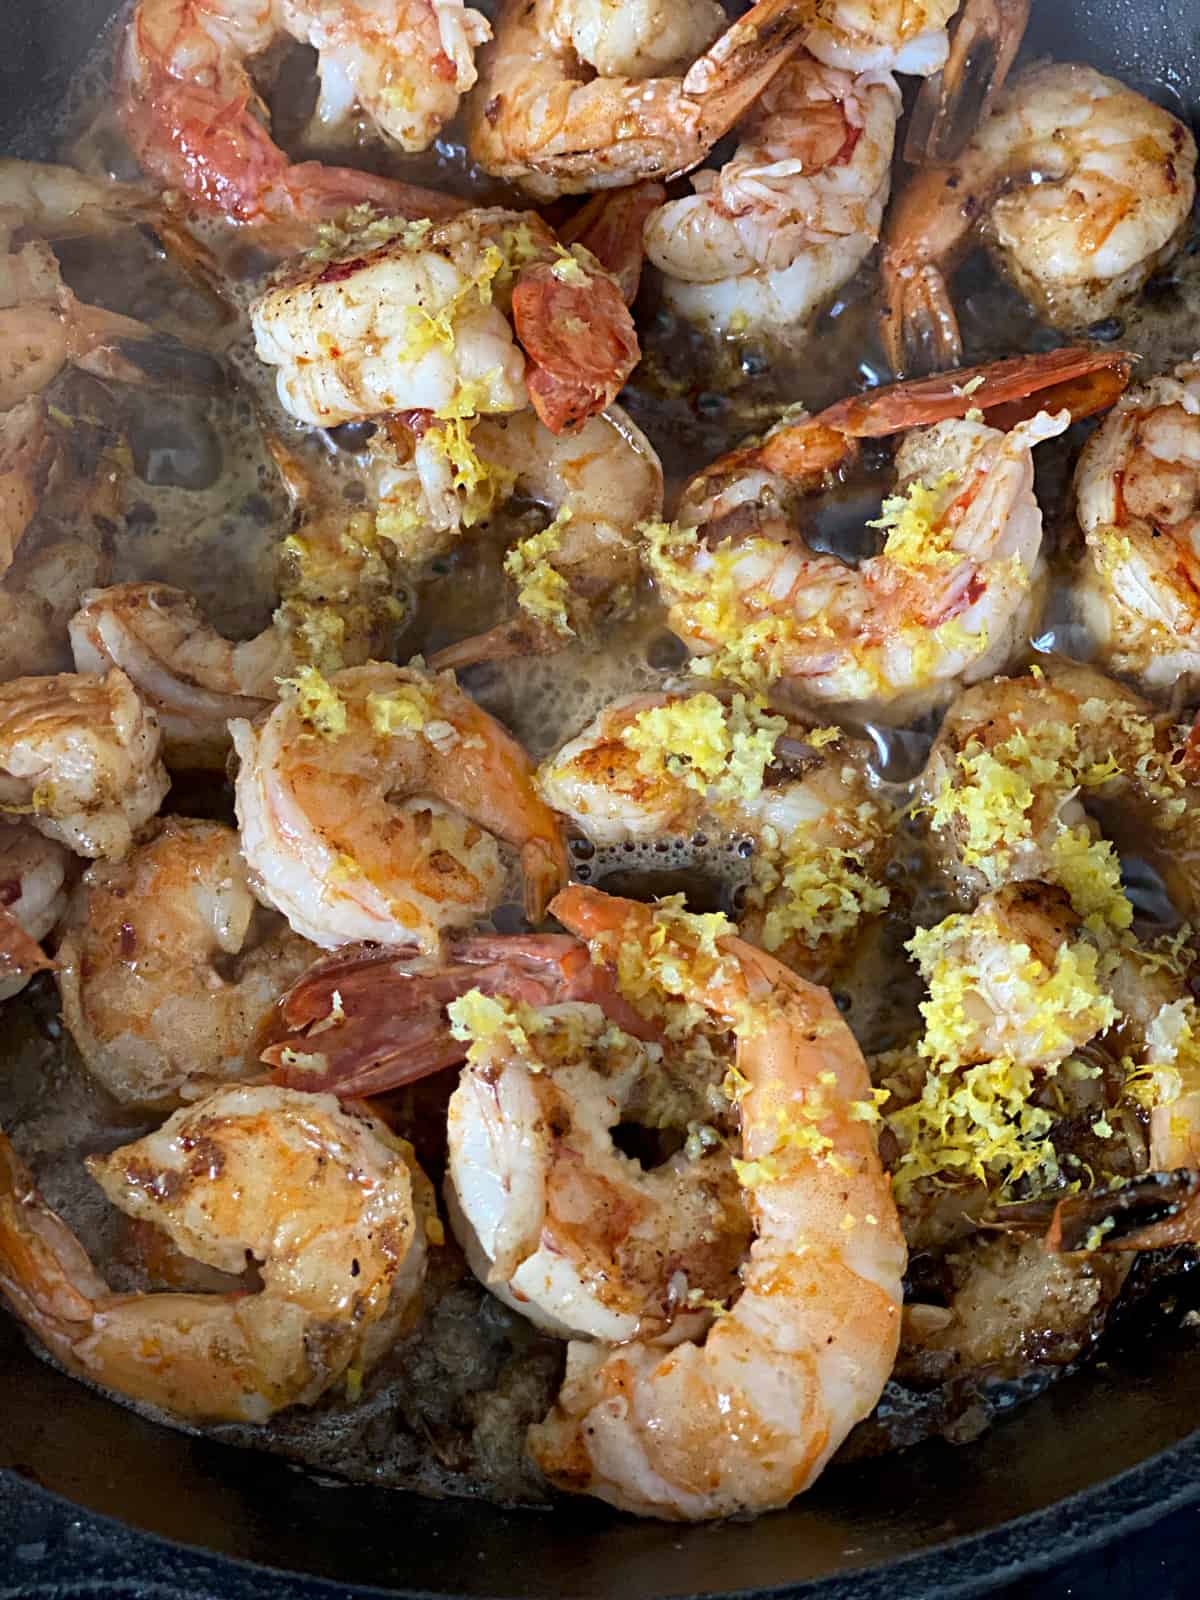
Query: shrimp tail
point(543, 863)
point(20, 956)
point(918, 323)
point(953, 102)
point(507, 641)
point(730, 77)
point(44, 1272)
point(1008, 391)
point(580, 341)
point(612, 226)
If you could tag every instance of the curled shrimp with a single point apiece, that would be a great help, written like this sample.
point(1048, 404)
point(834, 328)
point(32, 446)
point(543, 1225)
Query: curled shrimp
point(596, 484)
point(33, 876)
point(194, 679)
point(316, 1195)
point(370, 807)
point(434, 317)
point(1041, 777)
point(794, 798)
point(1082, 189)
point(1137, 494)
point(747, 1419)
point(767, 238)
point(167, 962)
point(368, 1019)
point(569, 98)
point(954, 588)
point(195, 121)
point(79, 758)
point(558, 1222)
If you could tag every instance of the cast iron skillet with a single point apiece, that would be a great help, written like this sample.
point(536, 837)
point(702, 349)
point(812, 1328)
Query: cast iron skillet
point(1102, 1452)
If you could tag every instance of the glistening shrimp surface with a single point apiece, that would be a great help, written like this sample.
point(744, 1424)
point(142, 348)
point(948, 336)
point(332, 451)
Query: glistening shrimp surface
point(596, 886)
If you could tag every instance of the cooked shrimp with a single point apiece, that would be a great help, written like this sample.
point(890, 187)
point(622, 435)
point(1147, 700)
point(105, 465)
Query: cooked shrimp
point(906, 36)
point(27, 450)
point(371, 806)
point(33, 873)
point(597, 484)
point(765, 240)
point(555, 1219)
point(368, 1019)
point(1082, 188)
point(192, 115)
point(954, 588)
point(194, 679)
point(575, 96)
point(611, 225)
point(796, 798)
point(747, 1420)
point(318, 1197)
point(168, 962)
point(1029, 774)
point(79, 758)
point(395, 316)
point(1137, 494)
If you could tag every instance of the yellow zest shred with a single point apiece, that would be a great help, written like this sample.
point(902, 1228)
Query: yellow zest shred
point(917, 536)
point(316, 701)
point(714, 748)
point(542, 591)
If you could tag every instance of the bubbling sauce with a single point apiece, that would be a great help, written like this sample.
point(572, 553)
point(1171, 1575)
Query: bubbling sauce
point(203, 507)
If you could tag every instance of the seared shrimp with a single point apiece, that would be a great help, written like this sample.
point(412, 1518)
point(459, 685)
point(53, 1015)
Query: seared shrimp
point(416, 316)
point(746, 1420)
point(771, 235)
point(168, 962)
point(554, 1219)
point(194, 679)
point(1026, 772)
point(79, 758)
point(574, 95)
point(795, 797)
point(597, 484)
point(371, 806)
point(33, 873)
point(316, 1196)
point(1082, 188)
point(952, 591)
point(1137, 495)
point(27, 450)
point(195, 121)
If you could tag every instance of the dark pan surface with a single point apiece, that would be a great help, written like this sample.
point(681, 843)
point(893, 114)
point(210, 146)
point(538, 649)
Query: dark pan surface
point(1103, 1451)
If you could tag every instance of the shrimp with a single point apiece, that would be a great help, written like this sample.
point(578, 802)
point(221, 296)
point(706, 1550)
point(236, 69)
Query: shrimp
point(795, 798)
point(568, 99)
point(194, 679)
point(433, 316)
point(558, 1222)
point(1082, 189)
point(367, 1019)
point(370, 807)
point(194, 120)
point(27, 451)
point(1137, 494)
point(167, 963)
point(597, 484)
point(746, 1420)
point(33, 875)
point(316, 1195)
point(611, 225)
point(79, 758)
point(764, 241)
point(1040, 776)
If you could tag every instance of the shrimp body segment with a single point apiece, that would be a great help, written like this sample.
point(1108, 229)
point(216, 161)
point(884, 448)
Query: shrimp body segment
point(747, 1419)
point(1082, 188)
point(794, 798)
point(569, 99)
point(181, 666)
point(195, 120)
point(168, 962)
point(318, 1197)
point(764, 240)
point(1137, 496)
point(554, 1218)
point(33, 875)
point(79, 757)
point(431, 317)
point(371, 806)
